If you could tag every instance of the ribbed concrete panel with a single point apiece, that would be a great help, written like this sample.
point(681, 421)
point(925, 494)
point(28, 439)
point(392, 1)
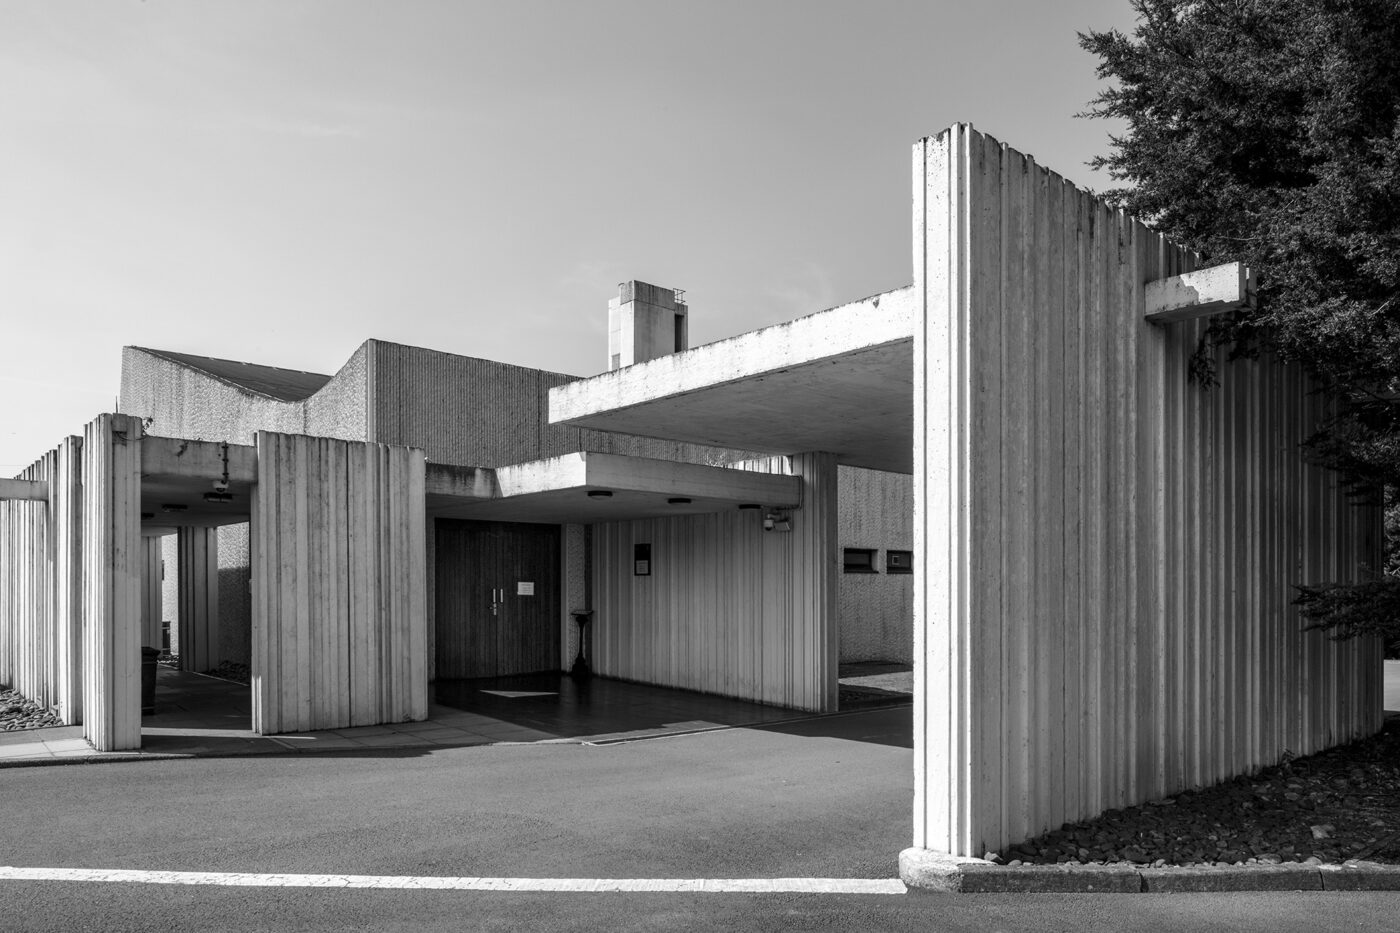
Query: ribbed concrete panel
point(112, 565)
point(152, 592)
point(727, 608)
point(575, 595)
point(40, 621)
point(339, 614)
point(198, 586)
point(1106, 550)
point(66, 527)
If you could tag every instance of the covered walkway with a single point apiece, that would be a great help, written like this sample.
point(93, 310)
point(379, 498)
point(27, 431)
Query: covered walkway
point(199, 716)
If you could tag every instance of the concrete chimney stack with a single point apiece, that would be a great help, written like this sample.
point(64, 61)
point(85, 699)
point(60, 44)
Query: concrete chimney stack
point(644, 322)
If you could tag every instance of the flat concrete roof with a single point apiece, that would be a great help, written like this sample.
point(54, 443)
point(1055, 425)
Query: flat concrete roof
point(556, 490)
point(840, 380)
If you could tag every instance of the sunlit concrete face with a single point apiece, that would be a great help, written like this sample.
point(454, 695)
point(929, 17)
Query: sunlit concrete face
point(839, 380)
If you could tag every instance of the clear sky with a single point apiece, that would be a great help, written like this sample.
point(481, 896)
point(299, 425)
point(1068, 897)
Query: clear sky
point(278, 181)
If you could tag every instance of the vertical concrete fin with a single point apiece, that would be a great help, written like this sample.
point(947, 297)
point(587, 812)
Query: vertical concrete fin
point(339, 584)
point(112, 572)
point(1104, 548)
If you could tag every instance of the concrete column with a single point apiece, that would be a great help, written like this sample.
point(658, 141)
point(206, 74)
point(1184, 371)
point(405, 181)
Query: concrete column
point(66, 515)
point(575, 595)
point(152, 592)
point(813, 581)
point(112, 564)
point(198, 572)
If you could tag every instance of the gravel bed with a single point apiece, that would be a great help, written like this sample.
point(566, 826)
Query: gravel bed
point(231, 670)
point(17, 711)
point(1340, 804)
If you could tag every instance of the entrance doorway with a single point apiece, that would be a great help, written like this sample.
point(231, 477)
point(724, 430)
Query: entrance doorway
point(497, 598)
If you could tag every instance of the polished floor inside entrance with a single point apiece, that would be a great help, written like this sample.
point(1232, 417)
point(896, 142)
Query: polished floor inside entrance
point(598, 709)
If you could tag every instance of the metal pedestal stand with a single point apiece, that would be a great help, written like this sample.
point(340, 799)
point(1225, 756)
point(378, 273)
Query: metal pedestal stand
point(580, 670)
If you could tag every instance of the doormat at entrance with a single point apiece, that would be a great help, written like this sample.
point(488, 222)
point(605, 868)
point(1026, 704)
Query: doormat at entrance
point(517, 694)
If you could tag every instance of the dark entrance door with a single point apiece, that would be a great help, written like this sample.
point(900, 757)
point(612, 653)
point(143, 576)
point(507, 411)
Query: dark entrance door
point(497, 598)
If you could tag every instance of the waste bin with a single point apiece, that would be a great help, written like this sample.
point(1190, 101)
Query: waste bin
point(148, 680)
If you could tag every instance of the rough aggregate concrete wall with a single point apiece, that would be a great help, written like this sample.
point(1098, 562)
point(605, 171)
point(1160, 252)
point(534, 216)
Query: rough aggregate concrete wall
point(183, 402)
point(235, 599)
point(473, 412)
point(170, 588)
point(339, 408)
point(876, 510)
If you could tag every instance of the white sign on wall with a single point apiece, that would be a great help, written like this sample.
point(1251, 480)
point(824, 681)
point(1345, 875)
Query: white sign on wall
point(524, 589)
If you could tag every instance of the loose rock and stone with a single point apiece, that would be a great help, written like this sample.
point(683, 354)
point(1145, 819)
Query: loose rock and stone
point(1338, 805)
point(19, 712)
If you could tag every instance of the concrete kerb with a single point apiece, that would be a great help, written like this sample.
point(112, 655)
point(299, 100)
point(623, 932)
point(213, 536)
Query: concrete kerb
point(923, 870)
point(96, 758)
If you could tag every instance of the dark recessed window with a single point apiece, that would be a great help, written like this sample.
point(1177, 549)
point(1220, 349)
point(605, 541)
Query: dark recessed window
point(899, 562)
point(860, 560)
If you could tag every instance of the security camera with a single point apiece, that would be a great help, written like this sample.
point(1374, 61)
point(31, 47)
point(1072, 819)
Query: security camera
point(220, 485)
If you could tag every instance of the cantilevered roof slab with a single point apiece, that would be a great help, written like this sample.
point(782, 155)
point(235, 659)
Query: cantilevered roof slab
point(840, 380)
point(557, 490)
point(176, 475)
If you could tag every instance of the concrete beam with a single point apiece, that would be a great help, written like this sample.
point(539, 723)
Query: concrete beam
point(461, 482)
point(642, 474)
point(1203, 293)
point(175, 456)
point(24, 490)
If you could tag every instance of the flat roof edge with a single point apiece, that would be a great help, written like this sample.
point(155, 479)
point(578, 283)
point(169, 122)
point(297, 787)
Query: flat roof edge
point(851, 328)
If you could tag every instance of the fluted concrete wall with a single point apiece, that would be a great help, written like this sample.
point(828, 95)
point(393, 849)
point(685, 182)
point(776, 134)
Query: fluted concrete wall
point(728, 608)
point(40, 587)
point(152, 592)
point(112, 565)
point(197, 590)
point(339, 583)
point(1104, 551)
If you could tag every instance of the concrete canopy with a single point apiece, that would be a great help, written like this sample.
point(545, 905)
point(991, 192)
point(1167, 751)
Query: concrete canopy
point(556, 490)
point(839, 380)
point(177, 473)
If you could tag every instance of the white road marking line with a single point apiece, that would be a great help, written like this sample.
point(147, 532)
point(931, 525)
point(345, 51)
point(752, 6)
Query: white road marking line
point(433, 882)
